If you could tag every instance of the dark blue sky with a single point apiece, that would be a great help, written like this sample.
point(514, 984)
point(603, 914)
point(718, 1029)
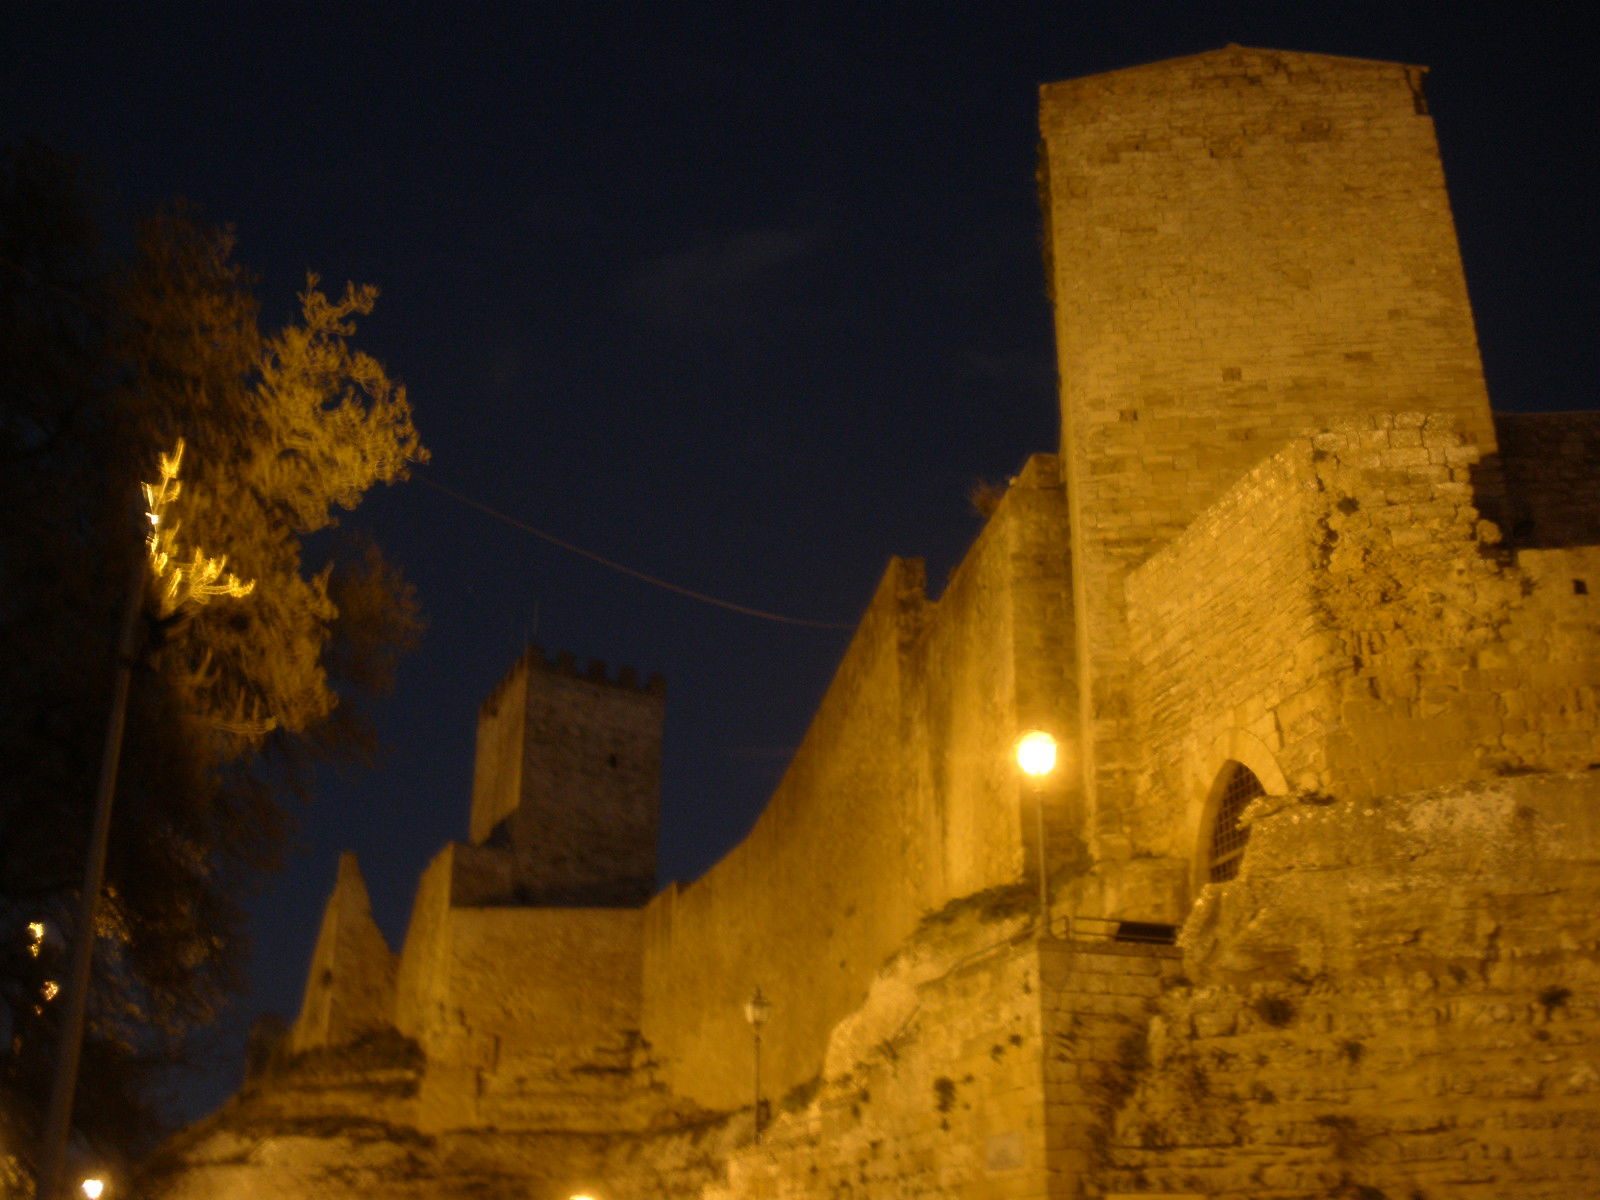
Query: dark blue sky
point(745, 296)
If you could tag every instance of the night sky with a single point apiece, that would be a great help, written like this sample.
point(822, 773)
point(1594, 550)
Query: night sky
point(745, 297)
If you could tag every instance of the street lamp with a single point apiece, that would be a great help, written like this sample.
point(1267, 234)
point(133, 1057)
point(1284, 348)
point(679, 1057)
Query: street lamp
point(757, 1010)
point(1036, 755)
point(178, 583)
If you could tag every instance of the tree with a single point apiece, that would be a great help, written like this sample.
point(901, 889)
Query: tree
point(103, 368)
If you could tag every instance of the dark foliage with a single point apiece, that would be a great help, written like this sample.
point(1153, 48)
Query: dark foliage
point(104, 366)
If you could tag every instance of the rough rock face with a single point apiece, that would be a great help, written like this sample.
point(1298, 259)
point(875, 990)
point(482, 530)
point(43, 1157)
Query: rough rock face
point(342, 1124)
point(1397, 998)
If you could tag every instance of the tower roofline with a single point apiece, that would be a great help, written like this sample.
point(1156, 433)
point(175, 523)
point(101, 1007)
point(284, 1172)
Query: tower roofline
point(1230, 48)
point(597, 671)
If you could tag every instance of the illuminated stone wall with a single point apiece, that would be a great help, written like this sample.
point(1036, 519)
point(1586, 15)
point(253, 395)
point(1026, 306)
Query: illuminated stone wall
point(1343, 622)
point(1422, 1021)
point(1244, 245)
point(349, 989)
point(1270, 547)
point(902, 796)
point(519, 1012)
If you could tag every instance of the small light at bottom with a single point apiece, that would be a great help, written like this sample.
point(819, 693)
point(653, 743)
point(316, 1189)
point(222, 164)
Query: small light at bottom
point(93, 1187)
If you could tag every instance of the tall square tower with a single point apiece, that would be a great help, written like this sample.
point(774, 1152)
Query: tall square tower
point(1242, 246)
point(567, 778)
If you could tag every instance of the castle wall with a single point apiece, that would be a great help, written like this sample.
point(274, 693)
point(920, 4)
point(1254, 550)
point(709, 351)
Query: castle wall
point(995, 661)
point(1420, 1022)
point(497, 754)
point(517, 1009)
point(1229, 646)
point(945, 1102)
point(1342, 621)
point(984, 1062)
point(1244, 245)
point(827, 881)
point(903, 795)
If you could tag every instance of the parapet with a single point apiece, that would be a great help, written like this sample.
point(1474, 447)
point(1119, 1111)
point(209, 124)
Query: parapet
point(567, 775)
point(533, 658)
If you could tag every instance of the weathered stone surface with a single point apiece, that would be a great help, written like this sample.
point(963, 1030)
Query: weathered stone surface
point(1280, 545)
point(1400, 994)
point(350, 986)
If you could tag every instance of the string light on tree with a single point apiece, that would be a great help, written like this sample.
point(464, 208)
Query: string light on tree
point(177, 582)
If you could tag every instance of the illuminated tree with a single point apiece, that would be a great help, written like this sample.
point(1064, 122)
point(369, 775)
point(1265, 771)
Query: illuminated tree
point(103, 368)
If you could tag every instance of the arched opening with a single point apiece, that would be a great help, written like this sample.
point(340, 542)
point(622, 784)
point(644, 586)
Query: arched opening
point(1236, 787)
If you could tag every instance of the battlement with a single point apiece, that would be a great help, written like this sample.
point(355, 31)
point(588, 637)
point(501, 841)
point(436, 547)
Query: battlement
point(567, 779)
point(564, 662)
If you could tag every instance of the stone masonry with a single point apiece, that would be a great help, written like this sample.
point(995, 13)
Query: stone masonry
point(1319, 634)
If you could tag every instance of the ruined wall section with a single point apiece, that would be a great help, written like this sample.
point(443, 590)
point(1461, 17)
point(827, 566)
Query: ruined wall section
point(1551, 464)
point(1397, 996)
point(350, 985)
point(902, 796)
point(1344, 621)
point(1096, 1000)
point(1467, 659)
point(1243, 245)
point(526, 1016)
point(932, 1086)
point(567, 779)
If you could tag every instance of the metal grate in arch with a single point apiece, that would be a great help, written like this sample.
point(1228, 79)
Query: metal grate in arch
point(1228, 837)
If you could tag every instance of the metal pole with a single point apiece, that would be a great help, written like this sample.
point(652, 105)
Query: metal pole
point(1044, 874)
point(58, 1121)
point(758, 1085)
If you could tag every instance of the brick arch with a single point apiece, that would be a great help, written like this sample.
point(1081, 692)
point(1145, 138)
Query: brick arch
point(1223, 836)
point(1248, 769)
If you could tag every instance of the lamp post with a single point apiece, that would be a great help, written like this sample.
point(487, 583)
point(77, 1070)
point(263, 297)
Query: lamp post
point(195, 581)
point(756, 1010)
point(1036, 755)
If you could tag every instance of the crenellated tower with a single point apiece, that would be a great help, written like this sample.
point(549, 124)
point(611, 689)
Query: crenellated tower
point(567, 779)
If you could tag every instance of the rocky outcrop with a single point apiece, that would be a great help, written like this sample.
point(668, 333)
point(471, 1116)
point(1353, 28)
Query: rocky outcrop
point(1397, 998)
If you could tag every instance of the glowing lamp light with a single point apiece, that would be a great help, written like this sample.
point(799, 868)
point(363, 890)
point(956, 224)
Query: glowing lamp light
point(580, 1196)
point(1036, 753)
point(92, 1188)
point(757, 1010)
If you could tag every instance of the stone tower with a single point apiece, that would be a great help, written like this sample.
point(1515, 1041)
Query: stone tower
point(1243, 246)
point(567, 779)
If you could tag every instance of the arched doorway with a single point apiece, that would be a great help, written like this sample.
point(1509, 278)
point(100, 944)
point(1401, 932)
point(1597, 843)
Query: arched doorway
point(1225, 838)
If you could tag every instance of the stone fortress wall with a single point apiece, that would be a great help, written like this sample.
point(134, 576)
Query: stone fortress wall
point(901, 798)
point(1284, 532)
point(1242, 247)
